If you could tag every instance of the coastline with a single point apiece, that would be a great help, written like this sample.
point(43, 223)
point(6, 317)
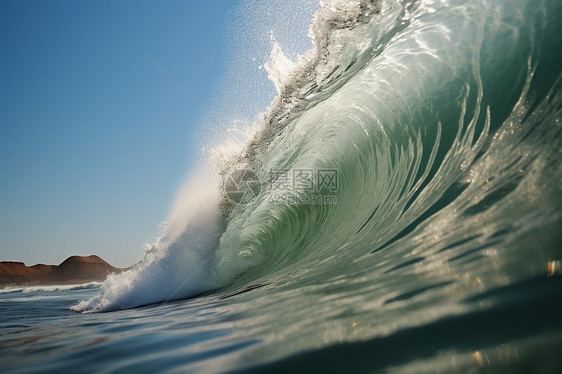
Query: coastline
point(73, 270)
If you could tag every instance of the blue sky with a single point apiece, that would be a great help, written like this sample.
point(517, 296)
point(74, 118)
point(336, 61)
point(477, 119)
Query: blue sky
point(94, 138)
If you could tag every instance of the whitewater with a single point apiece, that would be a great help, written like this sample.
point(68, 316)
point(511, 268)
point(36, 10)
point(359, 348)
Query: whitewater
point(396, 207)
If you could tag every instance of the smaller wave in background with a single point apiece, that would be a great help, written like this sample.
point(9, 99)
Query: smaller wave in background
point(31, 289)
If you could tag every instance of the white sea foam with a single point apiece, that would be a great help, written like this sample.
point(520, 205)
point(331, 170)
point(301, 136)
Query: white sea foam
point(177, 265)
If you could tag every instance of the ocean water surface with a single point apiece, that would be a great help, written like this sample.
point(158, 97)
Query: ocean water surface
point(396, 208)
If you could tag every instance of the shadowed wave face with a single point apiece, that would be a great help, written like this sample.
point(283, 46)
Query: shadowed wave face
point(411, 160)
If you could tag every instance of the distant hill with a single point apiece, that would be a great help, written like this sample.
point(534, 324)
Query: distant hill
point(75, 269)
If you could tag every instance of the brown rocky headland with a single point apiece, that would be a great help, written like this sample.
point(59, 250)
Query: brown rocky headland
point(73, 270)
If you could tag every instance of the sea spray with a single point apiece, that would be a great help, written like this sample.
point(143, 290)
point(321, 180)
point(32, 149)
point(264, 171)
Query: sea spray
point(177, 265)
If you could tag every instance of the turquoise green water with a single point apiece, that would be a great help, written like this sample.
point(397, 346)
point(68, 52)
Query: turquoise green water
point(437, 250)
